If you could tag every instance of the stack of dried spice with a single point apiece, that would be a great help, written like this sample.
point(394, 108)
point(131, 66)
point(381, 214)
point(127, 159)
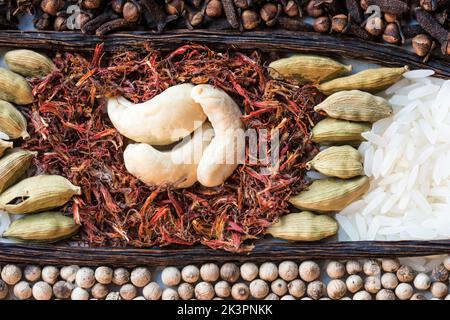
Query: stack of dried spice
point(33, 194)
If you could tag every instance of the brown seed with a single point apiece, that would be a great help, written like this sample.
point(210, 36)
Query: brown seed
point(322, 24)
point(338, 23)
point(291, 9)
point(392, 33)
point(131, 12)
point(52, 6)
point(214, 9)
point(250, 19)
point(375, 26)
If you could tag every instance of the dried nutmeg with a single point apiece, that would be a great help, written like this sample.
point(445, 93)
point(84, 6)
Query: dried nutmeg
point(375, 26)
point(392, 33)
point(131, 12)
point(314, 9)
point(250, 19)
point(338, 23)
point(91, 4)
point(117, 5)
point(291, 9)
point(322, 24)
point(52, 6)
point(214, 9)
point(422, 44)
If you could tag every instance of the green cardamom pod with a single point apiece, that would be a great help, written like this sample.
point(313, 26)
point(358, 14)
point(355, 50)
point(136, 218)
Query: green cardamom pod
point(42, 227)
point(343, 162)
point(13, 165)
point(12, 122)
point(331, 131)
point(29, 63)
point(14, 88)
point(5, 145)
point(328, 195)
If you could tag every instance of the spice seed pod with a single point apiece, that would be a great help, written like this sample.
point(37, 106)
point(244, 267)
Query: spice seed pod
point(337, 132)
point(42, 227)
point(308, 68)
point(304, 226)
point(331, 194)
point(14, 88)
point(355, 105)
point(342, 162)
point(371, 80)
point(12, 122)
point(38, 193)
point(5, 145)
point(13, 165)
point(29, 63)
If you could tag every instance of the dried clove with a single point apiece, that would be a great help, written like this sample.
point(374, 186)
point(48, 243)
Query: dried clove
point(196, 19)
point(356, 30)
point(131, 12)
point(433, 28)
point(42, 22)
point(389, 17)
point(291, 24)
point(291, 9)
point(355, 12)
point(230, 13)
point(110, 26)
point(60, 23)
point(250, 19)
point(410, 31)
point(242, 4)
point(91, 26)
point(195, 3)
point(117, 5)
point(52, 7)
point(91, 4)
point(390, 6)
point(153, 14)
point(269, 12)
point(392, 33)
point(421, 44)
point(175, 7)
point(338, 23)
point(214, 9)
point(314, 9)
point(322, 24)
point(433, 5)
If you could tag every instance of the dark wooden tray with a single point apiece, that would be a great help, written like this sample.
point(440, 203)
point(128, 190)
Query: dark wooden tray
point(382, 54)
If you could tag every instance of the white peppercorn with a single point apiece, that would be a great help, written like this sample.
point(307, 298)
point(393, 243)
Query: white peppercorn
point(79, 294)
point(268, 271)
point(120, 276)
point(405, 274)
point(439, 289)
point(11, 274)
point(249, 271)
point(353, 267)
point(362, 295)
point(171, 276)
point(335, 270)
point(418, 296)
point(447, 263)
point(190, 274)
point(50, 274)
point(279, 287)
point(222, 289)
point(69, 273)
point(22, 290)
point(288, 270)
point(296, 288)
point(152, 291)
point(336, 289)
point(209, 272)
point(42, 291)
point(113, 296)
point(316, 290)
point(128, 291)
point(229, 272)
point(404, 291)
point(32, 273)
point(259, 289)
point(3, 289)
point(390, 265)
point(63, 289)
point(272, 296)
point(104, 275)
point(439, 273)
point(389, 280)
point(422, 281)
point(372, 284)
point(85, 278)
point(140, 277)
point(371, 268)
point(240, 291)
point(287, 297)
point(99, 291)
point(185, 291)
point(385, 294)
point(309, 271)
point(354, 283)
point(204, 291)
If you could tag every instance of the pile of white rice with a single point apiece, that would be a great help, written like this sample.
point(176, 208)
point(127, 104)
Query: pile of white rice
point(407, 156)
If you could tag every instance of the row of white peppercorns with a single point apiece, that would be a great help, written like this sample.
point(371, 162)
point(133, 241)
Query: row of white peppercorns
point(385, 280)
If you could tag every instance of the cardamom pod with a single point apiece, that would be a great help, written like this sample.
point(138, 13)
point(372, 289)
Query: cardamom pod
point(12, 122)
point(13, 165)
point(29, 63)
point(337, 132)
point(304, 226)
point(343, 162)
point(37, 193)
point(4, 145)
point(331, 194)
point(371, 80)
point(14, 88)
point(42, 227)
point(355, 105)
point(308, 68)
